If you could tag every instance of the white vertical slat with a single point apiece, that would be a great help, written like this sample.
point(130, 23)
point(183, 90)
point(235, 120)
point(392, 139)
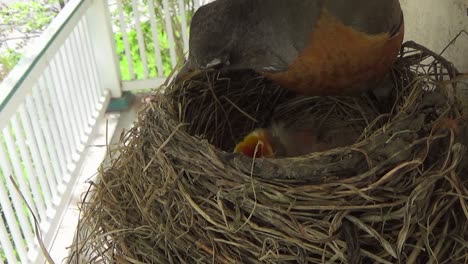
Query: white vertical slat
point(69, 95)
point(63, 102)
point(36, 157)
point(86, 52)
point(183, 22)
point(73, 91)
point(69, 58)
point(68, 102)
point(57, 114)
point(18, 173)
point(91, 84)
point(17, 205)
point(169, 32)
point(53, 147)
point(5, 241)
point(92, 62)
point(123, 30)
point(154, 32)
point(83, 79)
point(31, 171)
point(23, 217)
point(39, 138)
point(58, 142)
point(141, 41)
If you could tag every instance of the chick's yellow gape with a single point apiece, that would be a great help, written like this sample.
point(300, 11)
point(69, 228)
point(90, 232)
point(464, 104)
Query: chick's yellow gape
point(257, 144)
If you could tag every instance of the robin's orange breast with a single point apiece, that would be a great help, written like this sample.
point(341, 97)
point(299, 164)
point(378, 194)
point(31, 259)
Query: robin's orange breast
point(340, 59)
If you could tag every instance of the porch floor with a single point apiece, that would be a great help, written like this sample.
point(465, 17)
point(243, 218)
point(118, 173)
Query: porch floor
point(96, 154)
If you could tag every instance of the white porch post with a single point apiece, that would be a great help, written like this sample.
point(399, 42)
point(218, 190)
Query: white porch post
point(103, 45)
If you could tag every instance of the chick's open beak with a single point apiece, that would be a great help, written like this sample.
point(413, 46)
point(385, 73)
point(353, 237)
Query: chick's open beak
point(257, 144)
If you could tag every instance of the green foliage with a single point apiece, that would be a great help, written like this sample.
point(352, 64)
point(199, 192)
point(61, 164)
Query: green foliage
point(28, 17)
point(150, 53)
point(23, 21)
point(136, 59)
point(8, 60)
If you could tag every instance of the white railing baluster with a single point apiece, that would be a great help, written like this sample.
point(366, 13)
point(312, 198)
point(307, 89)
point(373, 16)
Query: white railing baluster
point(18, 173)
point(70, 97)
point(58, 141)
point(36, 157)
point(141, 41)
point(169, 32)
point(53, 100)
point(69, 57)
point(89, 60)
point(94, 76)
point(91, 85)
point(67, 116)
point(154, 33)
point(123, 30)
point(183, 22)
point(14, 229)
point(92, 61)
point(38, 136)
point(83, 80)
point(46, 130)
point(32, 172)
point(171, 14)
point(5, 243)
point(16, 201)
point(74, 88)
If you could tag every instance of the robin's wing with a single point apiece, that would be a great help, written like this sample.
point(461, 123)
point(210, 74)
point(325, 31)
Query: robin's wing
point(272, 33)
point(263, 35)
point(369, 16)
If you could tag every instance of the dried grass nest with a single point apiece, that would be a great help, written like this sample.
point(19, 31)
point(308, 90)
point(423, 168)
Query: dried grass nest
point(174, 192)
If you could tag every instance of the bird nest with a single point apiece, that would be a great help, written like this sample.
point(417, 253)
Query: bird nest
point(175, 193)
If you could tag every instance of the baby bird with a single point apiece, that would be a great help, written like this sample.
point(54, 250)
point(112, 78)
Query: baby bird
point(281, 141)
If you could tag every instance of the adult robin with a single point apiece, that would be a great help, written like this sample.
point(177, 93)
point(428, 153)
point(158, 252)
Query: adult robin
point(314, 47)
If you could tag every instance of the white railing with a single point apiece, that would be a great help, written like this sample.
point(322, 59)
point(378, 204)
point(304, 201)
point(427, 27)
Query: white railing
point(160, 29)
point(49, 105)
